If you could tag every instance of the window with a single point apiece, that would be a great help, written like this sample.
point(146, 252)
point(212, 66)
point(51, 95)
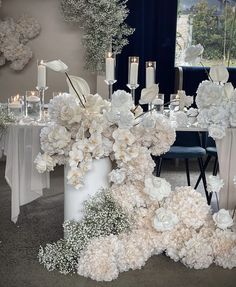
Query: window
point(211, 23)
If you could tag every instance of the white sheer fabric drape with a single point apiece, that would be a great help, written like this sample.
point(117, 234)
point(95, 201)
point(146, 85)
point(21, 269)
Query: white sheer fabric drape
point(21, 146)
point(226, 149)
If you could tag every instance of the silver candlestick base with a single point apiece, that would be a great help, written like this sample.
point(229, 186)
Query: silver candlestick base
point(41, 94)
point(110, 84)
point(132, 88)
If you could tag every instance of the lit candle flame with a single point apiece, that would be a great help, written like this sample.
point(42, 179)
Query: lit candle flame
point(109, 54)
point(16, 98)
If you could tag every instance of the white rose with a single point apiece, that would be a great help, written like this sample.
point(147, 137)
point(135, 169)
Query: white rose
point(214, 183)
point(219, 73)
point(148, 95)
point(216, 132)
point(164, 220)
point(193, 54)
point(157, 188)
point(222, 219)
point(117, 176)
point(56, 65)
point(138, 111)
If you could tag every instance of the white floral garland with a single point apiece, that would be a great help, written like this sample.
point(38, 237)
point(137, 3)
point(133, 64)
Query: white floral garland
point(178, 223)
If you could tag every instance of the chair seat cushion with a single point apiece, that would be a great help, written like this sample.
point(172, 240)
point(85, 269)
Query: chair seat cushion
point(211, 151)
point(185, 152)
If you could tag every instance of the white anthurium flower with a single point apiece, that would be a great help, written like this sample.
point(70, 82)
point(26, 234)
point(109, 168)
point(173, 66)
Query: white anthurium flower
point(214, 183)
point(80, 85)
point(184, 100)
point(164, 220)
point(138, 111)
point(219, 73)
point(148, 95)
point(193, 54)
point(56, 65)
point(223, 219)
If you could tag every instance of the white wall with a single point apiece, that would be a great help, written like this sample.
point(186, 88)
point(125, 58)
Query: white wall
point(57, 39)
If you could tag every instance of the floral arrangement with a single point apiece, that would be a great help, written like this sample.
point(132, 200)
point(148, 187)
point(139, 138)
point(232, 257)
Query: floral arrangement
point(14, 35)
point(216, 97)
point(103, 26)
point(139, 215)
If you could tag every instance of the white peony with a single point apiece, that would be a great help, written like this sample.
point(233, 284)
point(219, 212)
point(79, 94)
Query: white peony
point(214, 183)
point(157, 188)
point(117, 176)
point(193, 54)
point(122, 101)
point(164, 220)
point(219, 73)
point(56, 65)
point(216, 132)
point(44, 162)
point(222, 219)
point(148, 95)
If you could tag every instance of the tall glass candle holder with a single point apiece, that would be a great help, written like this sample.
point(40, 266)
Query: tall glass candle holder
point(15, 106)
point(110, 72)
point(174, 102)
point(41, 87)
point(33, 105)
point(158, 103)
point(133, 75)
point(150, 73)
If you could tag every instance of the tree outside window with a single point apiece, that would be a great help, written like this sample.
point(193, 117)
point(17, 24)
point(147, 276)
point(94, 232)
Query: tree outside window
point(211, 23)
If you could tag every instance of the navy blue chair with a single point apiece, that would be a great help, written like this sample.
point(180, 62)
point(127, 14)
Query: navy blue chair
point(188, 145)
point(211, 153)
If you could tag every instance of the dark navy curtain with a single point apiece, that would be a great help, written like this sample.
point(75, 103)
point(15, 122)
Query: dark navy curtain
point(153, 40)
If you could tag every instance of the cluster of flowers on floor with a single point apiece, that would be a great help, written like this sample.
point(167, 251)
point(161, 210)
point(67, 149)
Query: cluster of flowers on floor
point(139, 215)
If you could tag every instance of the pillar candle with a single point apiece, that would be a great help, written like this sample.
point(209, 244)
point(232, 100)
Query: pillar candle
point(133, 74)
point(41, 76)
point(150, 76)
point(110, 69)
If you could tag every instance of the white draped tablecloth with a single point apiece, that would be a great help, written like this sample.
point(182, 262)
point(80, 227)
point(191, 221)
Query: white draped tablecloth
point(21, 144)
point(226, 149)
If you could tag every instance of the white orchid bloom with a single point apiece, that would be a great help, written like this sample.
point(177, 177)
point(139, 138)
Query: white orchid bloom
point(193, 54)
point(148, 95)
point(56, 65)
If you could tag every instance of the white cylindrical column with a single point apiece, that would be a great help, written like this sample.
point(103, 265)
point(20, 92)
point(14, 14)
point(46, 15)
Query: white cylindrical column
point(95, 180)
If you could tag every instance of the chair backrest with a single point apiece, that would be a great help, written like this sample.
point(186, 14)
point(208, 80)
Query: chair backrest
point(188, 139)
point(189, 78)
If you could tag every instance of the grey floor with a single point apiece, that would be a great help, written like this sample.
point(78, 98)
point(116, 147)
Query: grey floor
point(40, 222)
